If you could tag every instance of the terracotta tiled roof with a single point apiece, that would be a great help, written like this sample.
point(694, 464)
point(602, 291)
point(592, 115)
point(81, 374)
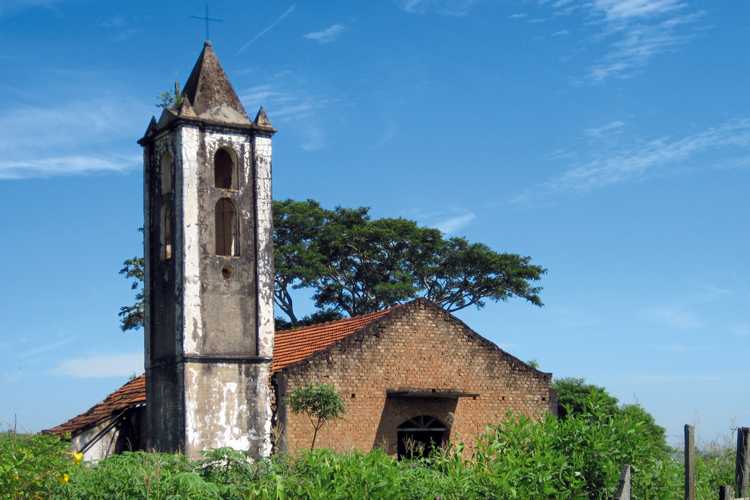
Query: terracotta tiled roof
point(129, 394)
point(290, 346)
point(295, 345)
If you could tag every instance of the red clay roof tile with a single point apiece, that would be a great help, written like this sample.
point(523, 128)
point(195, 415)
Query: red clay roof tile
point(291, 346)
point(129, 394)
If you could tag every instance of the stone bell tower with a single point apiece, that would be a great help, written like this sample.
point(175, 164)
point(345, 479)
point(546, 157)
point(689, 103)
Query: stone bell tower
point(208, 269)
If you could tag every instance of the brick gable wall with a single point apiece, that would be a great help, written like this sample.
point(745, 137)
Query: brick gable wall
point(416, 348)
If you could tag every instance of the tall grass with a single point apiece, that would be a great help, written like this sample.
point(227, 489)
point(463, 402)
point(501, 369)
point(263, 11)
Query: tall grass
point(518, 458)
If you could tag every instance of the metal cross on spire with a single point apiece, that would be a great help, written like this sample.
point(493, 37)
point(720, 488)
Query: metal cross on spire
point(207, 19)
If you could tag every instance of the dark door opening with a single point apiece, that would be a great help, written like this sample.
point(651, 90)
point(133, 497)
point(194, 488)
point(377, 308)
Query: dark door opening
point(420, 435)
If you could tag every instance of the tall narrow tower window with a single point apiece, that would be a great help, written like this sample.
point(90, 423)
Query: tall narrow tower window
point(166, 173)
point(226, 228)
point(224, 169)
point(166, 232)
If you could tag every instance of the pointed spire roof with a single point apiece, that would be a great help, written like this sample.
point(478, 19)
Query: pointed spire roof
point(210, 94)
point(261, 119)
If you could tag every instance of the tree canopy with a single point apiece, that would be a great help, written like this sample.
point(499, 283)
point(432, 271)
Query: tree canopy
point(575, 398)
point(356, 265)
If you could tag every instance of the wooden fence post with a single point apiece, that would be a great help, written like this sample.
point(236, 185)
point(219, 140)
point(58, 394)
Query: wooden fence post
point(623, 489)
point(725, 492)
point(743, 464)
point(689, 462)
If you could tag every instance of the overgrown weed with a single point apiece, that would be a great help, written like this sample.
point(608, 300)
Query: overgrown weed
point(517, 458)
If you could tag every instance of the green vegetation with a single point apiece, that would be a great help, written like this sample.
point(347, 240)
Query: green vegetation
point(132, 317)
point(320, 403)
point(355, 265)
point(574, 394)
point(34, 466)
point(518, 458)
point(169, 99)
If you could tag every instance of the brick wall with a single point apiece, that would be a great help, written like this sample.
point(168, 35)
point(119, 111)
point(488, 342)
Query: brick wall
point(417, 348)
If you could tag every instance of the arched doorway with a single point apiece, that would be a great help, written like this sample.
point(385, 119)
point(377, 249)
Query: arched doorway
point(420, 435)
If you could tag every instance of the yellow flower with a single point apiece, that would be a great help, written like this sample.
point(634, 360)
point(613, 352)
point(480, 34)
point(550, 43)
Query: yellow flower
point(63, 478)
point(77, 457)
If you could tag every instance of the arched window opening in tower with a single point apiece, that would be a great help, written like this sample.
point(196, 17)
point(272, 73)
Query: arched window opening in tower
point(224, 169)
point(166, 173)
point(226, 228)
point(166, 232)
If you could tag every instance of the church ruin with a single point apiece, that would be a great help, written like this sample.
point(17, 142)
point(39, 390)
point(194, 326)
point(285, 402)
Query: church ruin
point(216, 372)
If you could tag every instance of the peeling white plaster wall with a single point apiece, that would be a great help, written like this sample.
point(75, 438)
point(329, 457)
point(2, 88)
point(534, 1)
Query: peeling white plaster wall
point(217, 411)
point(188, 222)
point(265, 414)
point(100, 450)
point(264, 235)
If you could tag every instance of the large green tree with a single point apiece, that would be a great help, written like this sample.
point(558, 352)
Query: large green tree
point(355, 265)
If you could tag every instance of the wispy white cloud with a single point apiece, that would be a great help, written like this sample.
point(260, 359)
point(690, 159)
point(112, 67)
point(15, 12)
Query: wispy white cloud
point(615, 10)
point(637, 45)
point(102, 366)
point(46, 347)
point(16, 5)
point(636, 30)
point(560, 33)
point(282, 101)
point(447, 7)
point(517, 16)
point(682, 312)
point(390, 129)
point(452, 225)
point(70, 165)
point(294, 109)
point(565, 317)
point(122, 31)
point(289, 11)
point(15, 376)
point(315, 138)
point(640, 161)
point(601, 131)
point(328, 35)
point(675, 317)
point(289, 101)
point(75, 138)
point(449, 220)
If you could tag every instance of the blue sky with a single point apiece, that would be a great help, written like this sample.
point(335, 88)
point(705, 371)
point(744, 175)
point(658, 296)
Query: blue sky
point(607, 139)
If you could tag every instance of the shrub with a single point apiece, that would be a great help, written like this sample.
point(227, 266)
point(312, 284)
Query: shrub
point(320, 403)
point(34, 466)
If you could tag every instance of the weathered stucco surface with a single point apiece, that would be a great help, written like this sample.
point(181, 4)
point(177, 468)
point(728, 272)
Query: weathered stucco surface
point(225, 406)
point(264, 204)
point(189, 314)
point(104, 447)
point(209, 339)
